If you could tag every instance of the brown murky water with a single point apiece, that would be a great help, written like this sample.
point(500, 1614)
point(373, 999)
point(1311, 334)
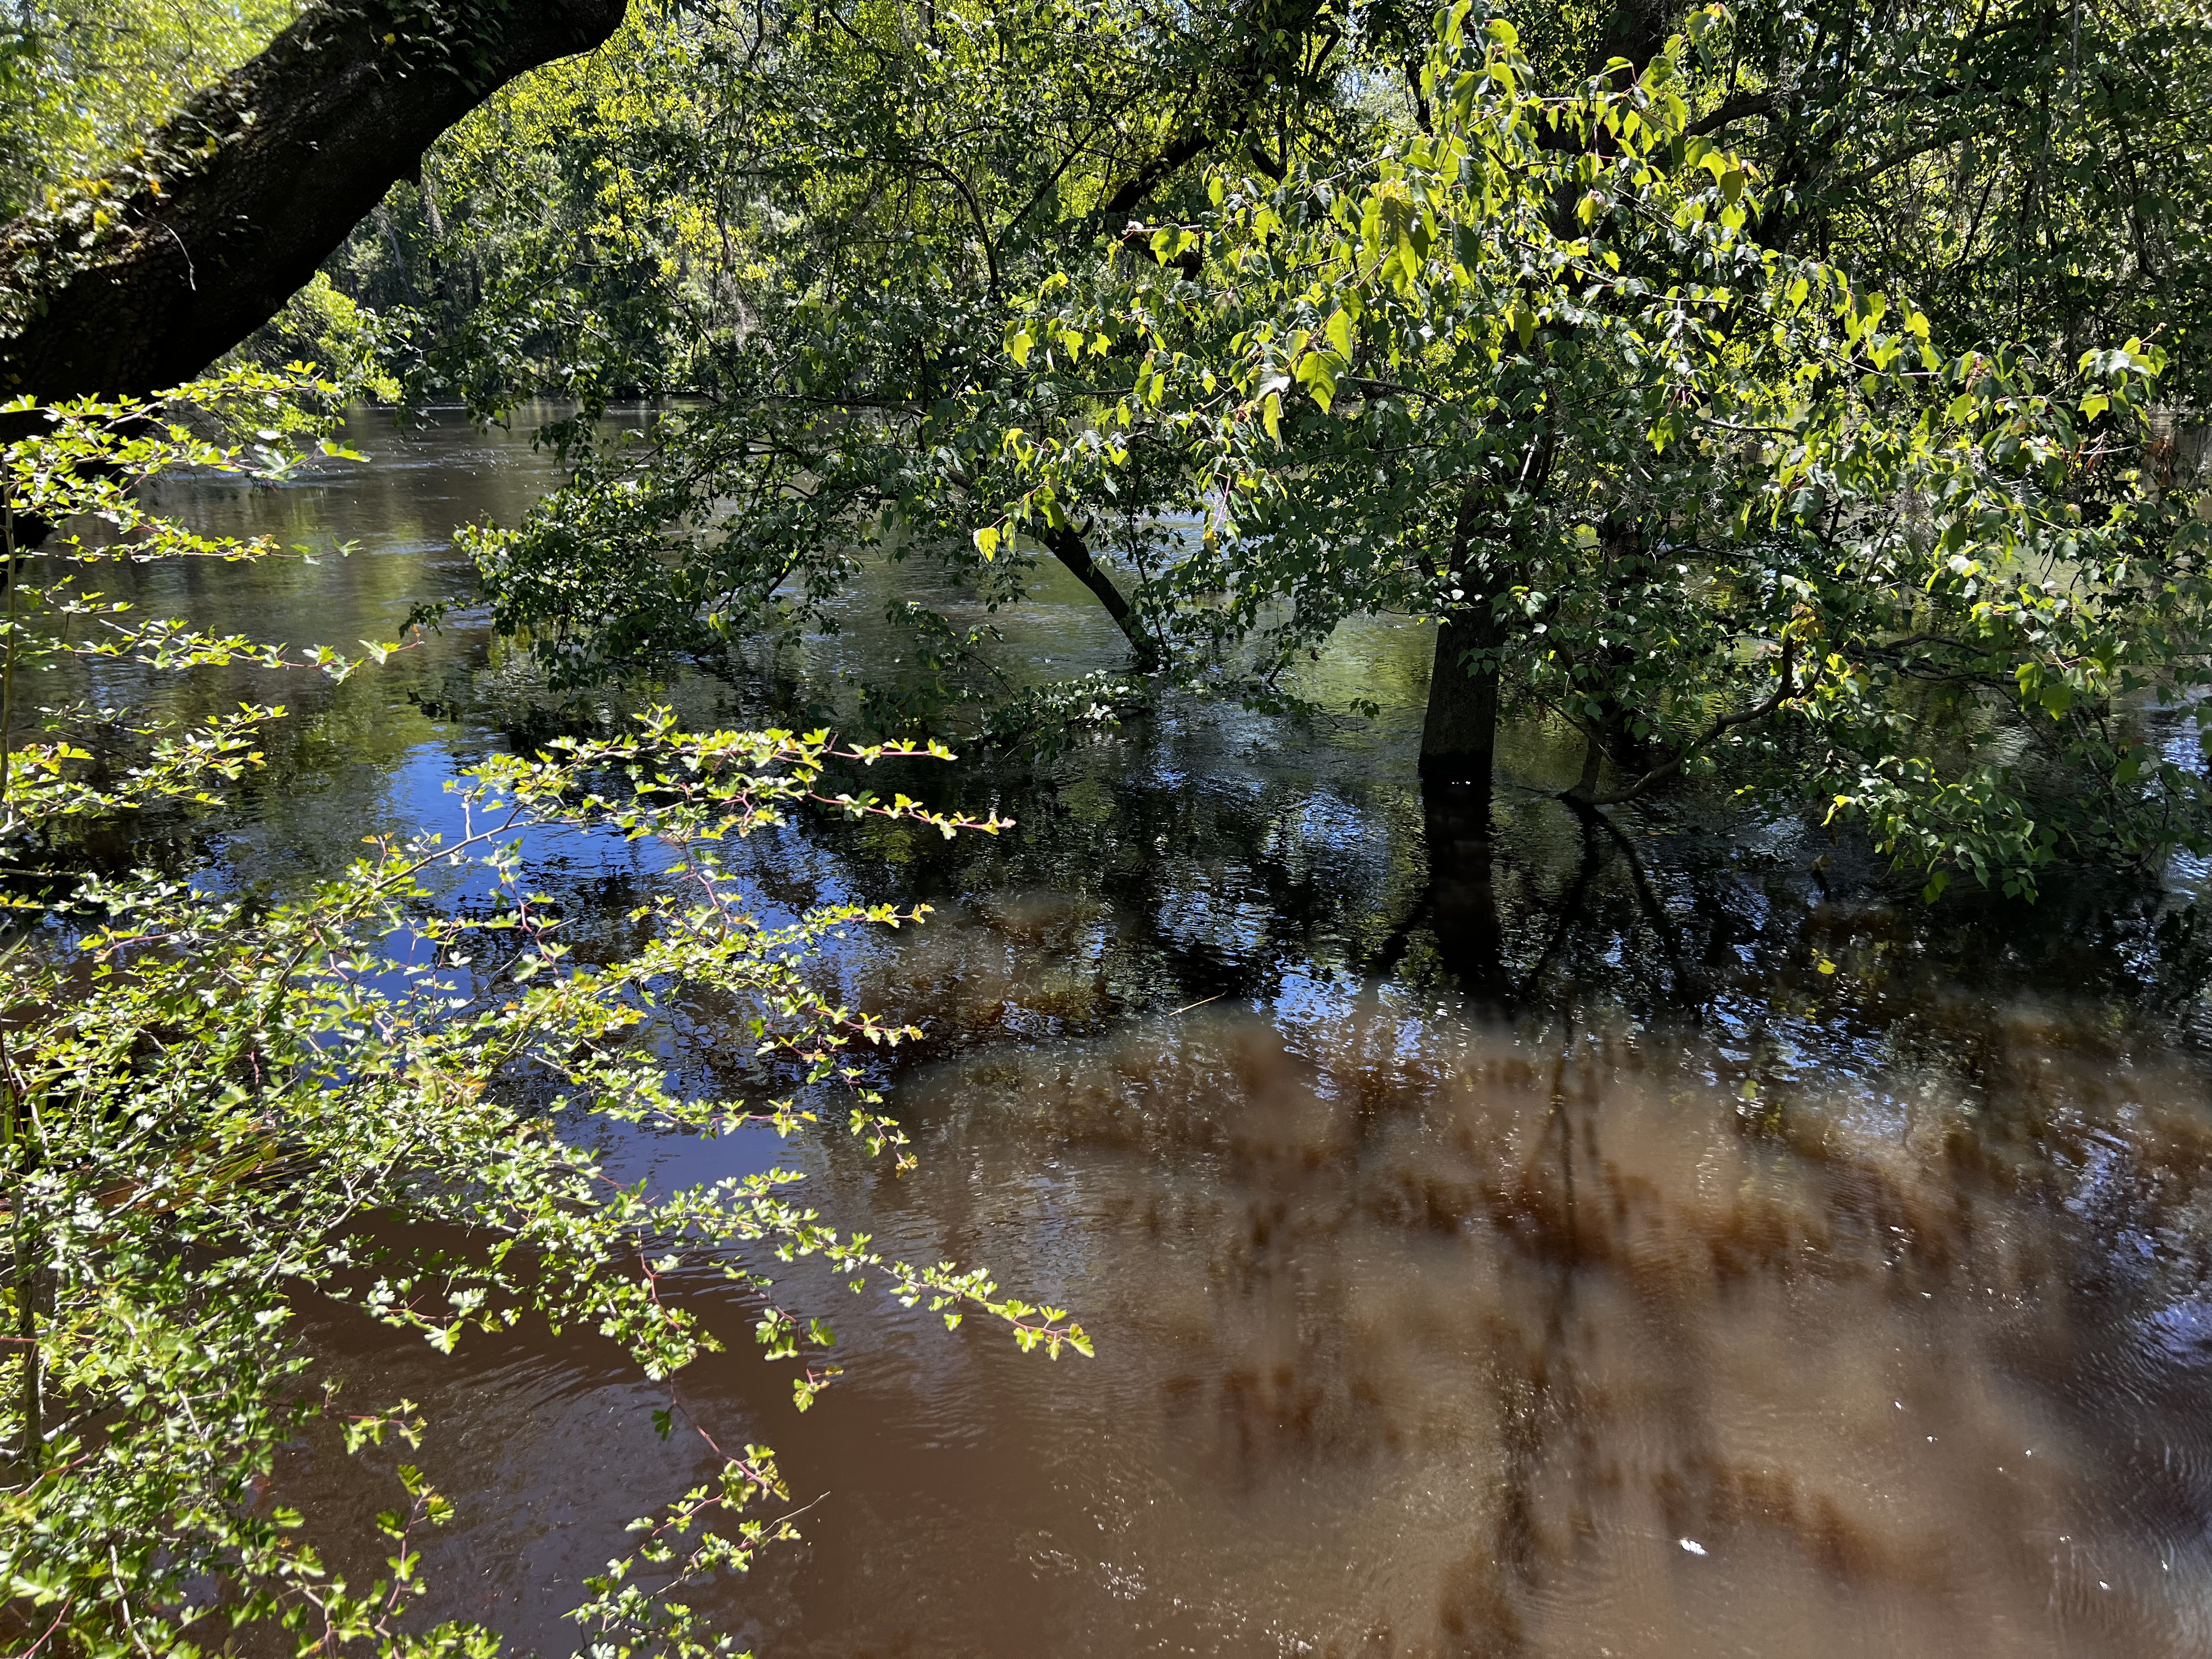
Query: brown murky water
point(1572, 1239)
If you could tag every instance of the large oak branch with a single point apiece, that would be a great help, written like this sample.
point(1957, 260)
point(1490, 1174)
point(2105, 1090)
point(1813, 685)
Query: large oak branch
point(144, 279)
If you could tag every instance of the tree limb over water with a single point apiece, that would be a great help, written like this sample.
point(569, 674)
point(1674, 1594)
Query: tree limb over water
point(144, 277)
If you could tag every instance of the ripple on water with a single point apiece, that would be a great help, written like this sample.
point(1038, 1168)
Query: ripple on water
point(1888, 1288)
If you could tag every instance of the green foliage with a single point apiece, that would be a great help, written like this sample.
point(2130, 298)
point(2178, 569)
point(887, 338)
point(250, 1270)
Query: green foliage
point(812, 221)
point(1775, 401)
point(325, 331)
point(2026, 172)
point(214, 1105)
point(1702, 497)
point(837, 219)
point(82, 80)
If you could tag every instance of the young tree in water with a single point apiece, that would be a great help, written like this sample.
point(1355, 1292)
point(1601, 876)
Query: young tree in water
point(1536, 373)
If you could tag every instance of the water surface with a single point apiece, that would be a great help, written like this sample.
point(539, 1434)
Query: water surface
point(1504, 1231)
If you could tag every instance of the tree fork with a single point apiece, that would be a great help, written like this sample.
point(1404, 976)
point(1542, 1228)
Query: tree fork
point(201, 238)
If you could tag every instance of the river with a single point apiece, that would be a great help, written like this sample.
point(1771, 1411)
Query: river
point(1643, 1236)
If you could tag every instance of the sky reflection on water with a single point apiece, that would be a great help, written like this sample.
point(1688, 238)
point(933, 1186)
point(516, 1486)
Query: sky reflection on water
point(1470, 1223)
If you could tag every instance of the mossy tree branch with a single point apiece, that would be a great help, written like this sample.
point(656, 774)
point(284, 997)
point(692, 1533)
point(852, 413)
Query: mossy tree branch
point(143, 278)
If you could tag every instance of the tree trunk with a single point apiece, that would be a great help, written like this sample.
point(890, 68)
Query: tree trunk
point(1463, 891)
point(1069, 547)
point(251, 185)
point(1459, 737)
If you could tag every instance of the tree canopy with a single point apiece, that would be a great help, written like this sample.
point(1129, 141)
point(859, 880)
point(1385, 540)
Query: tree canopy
point(1750, 316)
point(183, 241)
point(1790, 390)
point(1542, 376)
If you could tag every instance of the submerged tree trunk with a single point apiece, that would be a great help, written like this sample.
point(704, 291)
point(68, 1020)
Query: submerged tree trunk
point(1584, 791)
point(144, 279)
point(1459, 736)
point(1068, 546)
point(1459, 905)
point(1463, 891)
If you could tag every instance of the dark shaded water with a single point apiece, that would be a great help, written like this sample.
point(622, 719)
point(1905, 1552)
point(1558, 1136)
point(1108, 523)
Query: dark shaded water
point(1635, 1237)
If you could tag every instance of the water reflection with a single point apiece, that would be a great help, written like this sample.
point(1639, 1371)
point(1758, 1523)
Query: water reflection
point(1507, 1231)
point(1419, 1337)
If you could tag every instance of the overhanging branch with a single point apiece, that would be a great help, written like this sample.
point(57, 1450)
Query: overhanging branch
point(251, 185)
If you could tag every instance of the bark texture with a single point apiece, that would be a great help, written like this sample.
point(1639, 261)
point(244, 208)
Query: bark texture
point(144, 282)
point(1459, 735)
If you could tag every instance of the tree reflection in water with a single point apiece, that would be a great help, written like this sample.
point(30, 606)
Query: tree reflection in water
point(1477, 1204)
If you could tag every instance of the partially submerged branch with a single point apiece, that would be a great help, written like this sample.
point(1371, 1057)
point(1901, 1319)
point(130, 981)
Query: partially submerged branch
point(1067, 544)
point(1785, 688)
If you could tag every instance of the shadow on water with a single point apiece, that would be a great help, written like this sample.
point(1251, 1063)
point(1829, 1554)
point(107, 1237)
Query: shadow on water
point(1507, 1231)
